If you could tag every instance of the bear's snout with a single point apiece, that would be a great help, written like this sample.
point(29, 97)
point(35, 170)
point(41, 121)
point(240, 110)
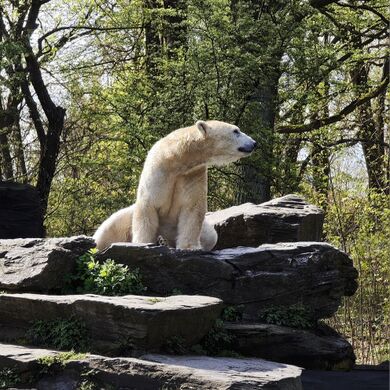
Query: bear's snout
point(248, 148)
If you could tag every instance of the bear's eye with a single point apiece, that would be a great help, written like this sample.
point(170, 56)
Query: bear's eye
point(236, 131)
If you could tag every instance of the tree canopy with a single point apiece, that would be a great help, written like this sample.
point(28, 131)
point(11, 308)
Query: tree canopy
point(86, 87)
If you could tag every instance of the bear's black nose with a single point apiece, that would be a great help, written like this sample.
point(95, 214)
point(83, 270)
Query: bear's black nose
point(254, 144)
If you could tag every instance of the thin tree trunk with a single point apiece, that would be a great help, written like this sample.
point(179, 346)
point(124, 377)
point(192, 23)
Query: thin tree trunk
point(175, 31)
point(372, 133)
point(152, 37)
point(6, 159)
point(321, 155)
point(21, 169)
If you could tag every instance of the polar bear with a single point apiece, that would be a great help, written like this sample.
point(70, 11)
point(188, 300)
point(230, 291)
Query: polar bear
point(172, 193)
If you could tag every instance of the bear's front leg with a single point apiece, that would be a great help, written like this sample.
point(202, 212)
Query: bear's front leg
point(189, 228)
point(145, 224)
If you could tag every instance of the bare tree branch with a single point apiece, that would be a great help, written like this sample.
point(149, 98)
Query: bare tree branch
point(318, 123)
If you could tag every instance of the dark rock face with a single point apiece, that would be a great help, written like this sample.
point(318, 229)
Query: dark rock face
point(154, 372)
point(145, 323)
point(320, 348)
point(21, 213)
point(314, 274)
point(286, 219)
point(39, 264)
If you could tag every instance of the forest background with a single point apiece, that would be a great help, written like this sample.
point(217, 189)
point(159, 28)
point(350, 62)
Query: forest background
point(86, 87)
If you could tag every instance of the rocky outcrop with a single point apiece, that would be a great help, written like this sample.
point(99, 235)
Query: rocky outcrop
point(21, 213)
point(314, 274)
point(319, 348)
point(286, 219)
point(113, 323)
point(153, 372)
point(36, 264)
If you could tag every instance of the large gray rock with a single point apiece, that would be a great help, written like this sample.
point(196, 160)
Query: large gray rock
point(320, 348)
point(143, 323)
point(229, 373)
point(35, 264)
point(286, 219)
point(21, 213)
point(315, 274)
point(154, 372)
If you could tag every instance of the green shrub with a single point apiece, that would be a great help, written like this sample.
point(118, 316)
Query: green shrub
point(218, 340)
point(359, 224)
point(48, 362)
point(8, 378)
point(231, 314)
point(63, 334)
point(107, 278)
point(295, 316)
point(175, 345)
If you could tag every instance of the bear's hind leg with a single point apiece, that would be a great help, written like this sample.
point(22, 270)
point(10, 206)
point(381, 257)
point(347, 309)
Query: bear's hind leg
point(208, 236)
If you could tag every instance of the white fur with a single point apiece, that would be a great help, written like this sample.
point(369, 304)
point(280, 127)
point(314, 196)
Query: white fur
point(172, 192)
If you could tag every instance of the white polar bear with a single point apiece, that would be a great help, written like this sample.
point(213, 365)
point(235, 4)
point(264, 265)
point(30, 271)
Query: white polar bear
point(172, 192)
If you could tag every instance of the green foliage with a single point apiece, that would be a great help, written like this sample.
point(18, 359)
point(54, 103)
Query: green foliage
point(361, 227)
point(218, 341)
point(87, 385)
point(231, 314)
point(255, 64)
point(62, 334)
point(175, 346)
point(176, 291)
point(107, 278)
point(8, 378)
point(295, 316)
point(154, 300)
point(47, 363)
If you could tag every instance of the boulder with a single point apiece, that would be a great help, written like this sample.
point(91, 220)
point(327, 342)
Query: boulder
point(21, 213)
point(286, 219)
point(37, 264)
point(320, 348)
point(314, 274)
point(153, 372)
point(132, 322)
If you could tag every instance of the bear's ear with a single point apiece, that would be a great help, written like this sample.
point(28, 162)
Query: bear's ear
point(202, 127)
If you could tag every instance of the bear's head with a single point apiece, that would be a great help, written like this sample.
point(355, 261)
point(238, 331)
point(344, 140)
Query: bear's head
point(225, 143)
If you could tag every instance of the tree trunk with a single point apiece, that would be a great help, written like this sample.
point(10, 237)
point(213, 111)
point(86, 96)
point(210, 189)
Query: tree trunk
point(6, 158)
point(175, 31)
point(21, 169)
point(372, 133)
point(152, 36)
point(49, 156)
point(256, 174)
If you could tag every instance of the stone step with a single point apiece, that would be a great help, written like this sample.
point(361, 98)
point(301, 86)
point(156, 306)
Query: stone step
point(36, 367)
point(39, 265)
point(315, 274)
point(321, 348)
point(286, 219)
point(136, 323)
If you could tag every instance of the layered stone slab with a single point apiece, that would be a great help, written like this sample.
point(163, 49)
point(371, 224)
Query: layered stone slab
point(314, 274)
point(142, 323)
point(152, 372)
point(230, 373)
point(319, 348)
point(36, 264)
point(286, 219)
